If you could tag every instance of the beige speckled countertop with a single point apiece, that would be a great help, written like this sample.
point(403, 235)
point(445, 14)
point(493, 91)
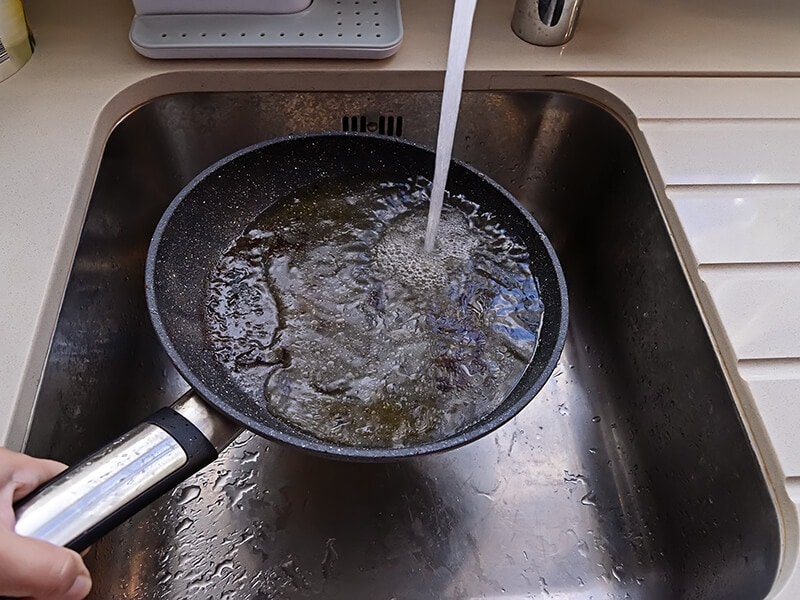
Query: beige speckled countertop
point(711, 88)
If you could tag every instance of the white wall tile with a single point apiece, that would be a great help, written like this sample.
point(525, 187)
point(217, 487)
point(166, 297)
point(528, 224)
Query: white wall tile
point(706, 97)
point(740, 224)
point(778, 402)
point(759, 308)
point(725, 152)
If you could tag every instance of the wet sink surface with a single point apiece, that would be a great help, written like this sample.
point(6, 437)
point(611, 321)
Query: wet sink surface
point(629, 476)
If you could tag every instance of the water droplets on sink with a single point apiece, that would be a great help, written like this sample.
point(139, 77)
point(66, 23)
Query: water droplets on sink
point(187, 493)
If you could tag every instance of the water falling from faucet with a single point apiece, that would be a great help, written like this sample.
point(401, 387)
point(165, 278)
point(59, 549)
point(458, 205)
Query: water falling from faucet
point(451, 99)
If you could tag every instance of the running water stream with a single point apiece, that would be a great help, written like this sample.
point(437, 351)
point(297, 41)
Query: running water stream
point(330, 308)
point(451, 99)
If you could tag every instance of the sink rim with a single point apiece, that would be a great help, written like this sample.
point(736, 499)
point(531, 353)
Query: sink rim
point(682, 251)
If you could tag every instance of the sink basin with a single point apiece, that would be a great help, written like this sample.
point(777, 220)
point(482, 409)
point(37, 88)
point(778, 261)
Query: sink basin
point(629, 476)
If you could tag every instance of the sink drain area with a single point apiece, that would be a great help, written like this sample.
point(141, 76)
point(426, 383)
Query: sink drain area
point(382, 124)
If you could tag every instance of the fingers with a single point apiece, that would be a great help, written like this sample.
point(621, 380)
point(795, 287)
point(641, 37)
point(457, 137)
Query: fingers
point(25, 473)
point(19, 476)
point(40, 571)
point(32, 568)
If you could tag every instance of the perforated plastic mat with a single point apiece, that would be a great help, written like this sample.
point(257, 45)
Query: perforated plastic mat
point(327, 29)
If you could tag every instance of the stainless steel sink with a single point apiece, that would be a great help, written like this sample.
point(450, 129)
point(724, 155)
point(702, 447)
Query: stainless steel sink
point(629, 476)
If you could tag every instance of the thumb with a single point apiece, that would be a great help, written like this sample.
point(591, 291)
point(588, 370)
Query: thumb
point(41, 571)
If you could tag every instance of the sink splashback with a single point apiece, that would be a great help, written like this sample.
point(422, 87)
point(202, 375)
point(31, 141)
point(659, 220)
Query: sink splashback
point(629, 476)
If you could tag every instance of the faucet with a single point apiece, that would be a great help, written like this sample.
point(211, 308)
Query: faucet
point(545, 22)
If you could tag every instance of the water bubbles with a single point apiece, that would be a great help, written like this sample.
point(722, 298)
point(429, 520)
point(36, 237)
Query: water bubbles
point(400, 253)
point(596, 419)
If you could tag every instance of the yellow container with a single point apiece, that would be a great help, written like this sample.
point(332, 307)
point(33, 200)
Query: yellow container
point(16, 41)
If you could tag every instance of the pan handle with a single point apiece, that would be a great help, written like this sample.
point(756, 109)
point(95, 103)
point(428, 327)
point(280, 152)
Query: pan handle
point(91, 498)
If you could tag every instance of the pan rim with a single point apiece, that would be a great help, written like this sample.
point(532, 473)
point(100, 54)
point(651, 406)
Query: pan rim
point(476, 430)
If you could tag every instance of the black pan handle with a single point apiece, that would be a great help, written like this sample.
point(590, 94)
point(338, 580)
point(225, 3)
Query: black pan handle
point(91, 498)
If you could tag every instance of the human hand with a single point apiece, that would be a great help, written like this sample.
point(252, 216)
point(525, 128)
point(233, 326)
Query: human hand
point(30, 568)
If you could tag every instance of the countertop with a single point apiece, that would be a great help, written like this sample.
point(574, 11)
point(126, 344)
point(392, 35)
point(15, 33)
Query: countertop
point(711, 89)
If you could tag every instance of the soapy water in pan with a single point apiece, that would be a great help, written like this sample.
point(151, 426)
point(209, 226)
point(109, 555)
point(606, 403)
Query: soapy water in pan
point(329, 308)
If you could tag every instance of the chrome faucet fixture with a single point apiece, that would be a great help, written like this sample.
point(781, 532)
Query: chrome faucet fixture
point(545, 22)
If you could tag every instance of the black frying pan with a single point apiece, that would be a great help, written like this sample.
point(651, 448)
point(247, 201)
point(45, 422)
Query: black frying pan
point(197, 228)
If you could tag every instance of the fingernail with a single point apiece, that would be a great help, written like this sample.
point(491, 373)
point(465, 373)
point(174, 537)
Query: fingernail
point(81, 587)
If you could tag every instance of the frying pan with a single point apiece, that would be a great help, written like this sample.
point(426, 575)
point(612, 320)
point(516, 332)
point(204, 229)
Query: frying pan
point(215, 208)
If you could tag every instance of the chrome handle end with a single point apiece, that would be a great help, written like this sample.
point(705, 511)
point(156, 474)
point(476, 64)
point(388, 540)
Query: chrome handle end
point(546, 22)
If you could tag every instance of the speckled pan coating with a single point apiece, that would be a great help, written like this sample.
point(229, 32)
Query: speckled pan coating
point(218, 204)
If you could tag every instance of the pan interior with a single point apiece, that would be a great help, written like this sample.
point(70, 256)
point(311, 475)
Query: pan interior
point(329, 309)
point(218, 206)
